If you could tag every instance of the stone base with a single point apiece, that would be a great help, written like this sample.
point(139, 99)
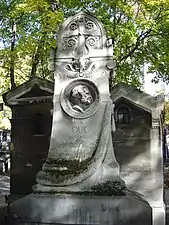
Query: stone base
point(53, 209)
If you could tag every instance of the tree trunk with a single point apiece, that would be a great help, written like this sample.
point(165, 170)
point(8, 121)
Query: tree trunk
point(12, 63)
point(37, 56)
point(35, 61)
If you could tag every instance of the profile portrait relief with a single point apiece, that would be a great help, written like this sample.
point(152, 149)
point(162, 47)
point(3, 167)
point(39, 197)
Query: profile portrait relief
point(80, 98)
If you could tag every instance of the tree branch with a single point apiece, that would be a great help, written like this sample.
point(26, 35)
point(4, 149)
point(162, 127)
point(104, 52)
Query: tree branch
point(140, 38)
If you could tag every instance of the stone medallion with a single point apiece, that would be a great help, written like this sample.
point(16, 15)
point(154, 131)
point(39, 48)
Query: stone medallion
point(80, 98)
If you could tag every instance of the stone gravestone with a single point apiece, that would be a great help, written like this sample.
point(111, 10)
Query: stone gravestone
point(80, 182)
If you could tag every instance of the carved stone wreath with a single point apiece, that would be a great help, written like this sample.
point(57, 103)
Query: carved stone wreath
point(80, 98)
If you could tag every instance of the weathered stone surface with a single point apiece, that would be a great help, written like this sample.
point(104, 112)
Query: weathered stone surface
point(79, 176)
point(52, 209)
point(81, 155)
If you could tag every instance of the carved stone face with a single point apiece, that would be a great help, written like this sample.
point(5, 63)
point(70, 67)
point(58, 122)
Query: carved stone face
point(80, 98)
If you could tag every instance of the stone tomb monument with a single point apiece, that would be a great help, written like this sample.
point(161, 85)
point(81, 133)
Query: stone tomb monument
point(80, 182)
point(31, 104)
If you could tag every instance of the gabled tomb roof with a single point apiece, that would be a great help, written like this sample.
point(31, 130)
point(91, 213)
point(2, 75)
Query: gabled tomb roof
point(151, 104)
point(35, 88)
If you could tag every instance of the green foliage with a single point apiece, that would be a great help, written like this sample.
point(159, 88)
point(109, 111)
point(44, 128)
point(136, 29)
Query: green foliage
point(166, 119)
point(139, 30)
point(36, 27)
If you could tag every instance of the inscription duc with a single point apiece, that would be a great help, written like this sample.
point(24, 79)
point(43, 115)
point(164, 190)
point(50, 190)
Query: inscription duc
point(80, 129)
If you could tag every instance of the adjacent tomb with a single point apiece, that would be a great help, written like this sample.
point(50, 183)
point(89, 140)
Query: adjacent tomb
point(31, 105)
point(138, 144)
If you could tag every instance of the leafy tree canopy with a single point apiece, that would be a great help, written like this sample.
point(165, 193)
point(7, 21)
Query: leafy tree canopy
point(139, 30)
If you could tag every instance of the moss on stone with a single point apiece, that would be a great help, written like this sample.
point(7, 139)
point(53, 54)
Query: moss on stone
point(115, 187)
point(73, 166)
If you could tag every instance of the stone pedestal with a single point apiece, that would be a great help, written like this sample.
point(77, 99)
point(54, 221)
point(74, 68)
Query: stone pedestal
point(52, 209)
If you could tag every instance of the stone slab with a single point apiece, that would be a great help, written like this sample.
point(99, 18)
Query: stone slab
point(52, 209)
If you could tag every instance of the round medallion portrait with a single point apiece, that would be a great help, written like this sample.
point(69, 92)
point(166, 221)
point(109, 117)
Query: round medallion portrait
point(80, 98)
